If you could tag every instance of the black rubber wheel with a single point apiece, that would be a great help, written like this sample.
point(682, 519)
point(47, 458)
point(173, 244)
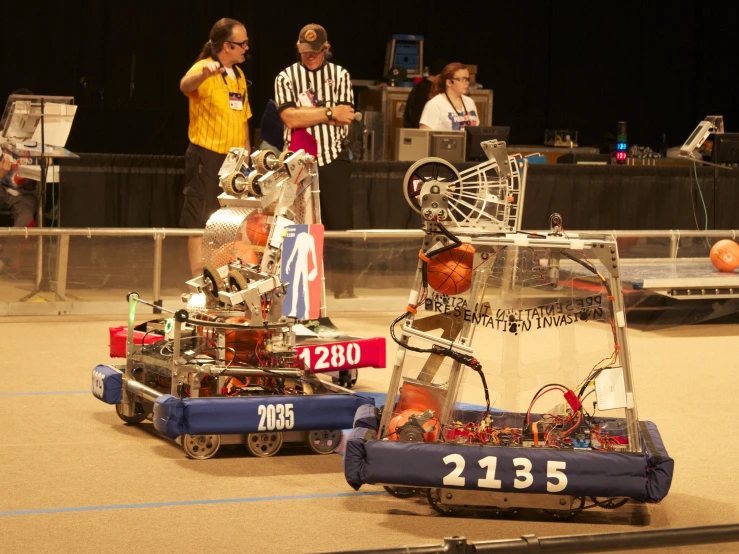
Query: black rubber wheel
point(141, 414)
point(213, 280)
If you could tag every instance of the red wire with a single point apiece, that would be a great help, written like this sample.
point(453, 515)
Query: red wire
point(490, 259)
point(528, 413)
point(538, 264)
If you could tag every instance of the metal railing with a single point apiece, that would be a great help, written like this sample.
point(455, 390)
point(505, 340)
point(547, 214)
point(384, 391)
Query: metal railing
point(574, 544)
point(159, 235)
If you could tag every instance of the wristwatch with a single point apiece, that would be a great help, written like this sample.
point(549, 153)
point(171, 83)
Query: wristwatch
point(329, 114)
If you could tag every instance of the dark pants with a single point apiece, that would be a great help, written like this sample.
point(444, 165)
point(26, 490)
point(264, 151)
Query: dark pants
point(22, 206)
point(201, 186)
point(23, 210)
point(337, 214)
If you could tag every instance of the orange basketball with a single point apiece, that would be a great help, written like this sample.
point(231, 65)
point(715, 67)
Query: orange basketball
point(421, 397)
point(241, 344)
point(450, 272)
point(725, 255)
point(237, 250)
point(257, 228)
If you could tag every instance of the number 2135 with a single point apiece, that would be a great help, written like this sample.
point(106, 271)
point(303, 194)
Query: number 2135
point(523, 480)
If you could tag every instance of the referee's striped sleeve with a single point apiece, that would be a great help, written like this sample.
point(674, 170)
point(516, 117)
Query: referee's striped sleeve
point(345, 93)
point(284, 97)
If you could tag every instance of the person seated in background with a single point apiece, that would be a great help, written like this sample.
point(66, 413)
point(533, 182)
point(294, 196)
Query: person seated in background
point(420, 95)
point(449, 108)
point(18, 196)
point(271, 129)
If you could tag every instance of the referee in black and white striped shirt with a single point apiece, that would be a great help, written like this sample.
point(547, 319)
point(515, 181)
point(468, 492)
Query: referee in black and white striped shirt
point(315, 101)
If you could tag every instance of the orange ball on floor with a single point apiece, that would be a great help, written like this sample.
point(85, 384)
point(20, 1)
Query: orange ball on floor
point(725, 255)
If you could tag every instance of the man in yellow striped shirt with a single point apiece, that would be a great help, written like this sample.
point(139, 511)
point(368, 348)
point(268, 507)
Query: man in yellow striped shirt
point(219, 121)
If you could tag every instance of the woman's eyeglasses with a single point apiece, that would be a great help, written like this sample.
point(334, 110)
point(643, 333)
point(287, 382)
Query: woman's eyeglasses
point(463, 79)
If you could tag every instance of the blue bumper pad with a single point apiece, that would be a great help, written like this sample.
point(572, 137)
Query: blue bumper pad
point(252, 414)
point(644, 476)
point(106, 384)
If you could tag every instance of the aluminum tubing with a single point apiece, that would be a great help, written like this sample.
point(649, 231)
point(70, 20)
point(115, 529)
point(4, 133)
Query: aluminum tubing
point(238, 372)
point(143, 391)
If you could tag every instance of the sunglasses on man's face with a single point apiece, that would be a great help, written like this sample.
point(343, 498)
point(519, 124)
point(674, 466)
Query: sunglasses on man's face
point(243, 45)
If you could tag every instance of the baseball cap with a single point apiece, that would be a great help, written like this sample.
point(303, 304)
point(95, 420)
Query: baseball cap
point(311, 38)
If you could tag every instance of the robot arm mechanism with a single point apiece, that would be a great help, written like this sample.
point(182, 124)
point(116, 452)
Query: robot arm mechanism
point(274, 182)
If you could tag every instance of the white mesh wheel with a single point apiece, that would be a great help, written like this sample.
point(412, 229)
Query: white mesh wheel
point(264, 445)
point(476, 197)
point(324, 442)
point(425, 170)
point(201, 447)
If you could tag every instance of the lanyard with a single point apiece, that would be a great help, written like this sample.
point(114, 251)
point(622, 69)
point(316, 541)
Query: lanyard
point(464, 108)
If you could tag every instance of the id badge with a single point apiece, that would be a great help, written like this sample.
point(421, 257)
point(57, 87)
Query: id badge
point(307, 98)
point(236, 101)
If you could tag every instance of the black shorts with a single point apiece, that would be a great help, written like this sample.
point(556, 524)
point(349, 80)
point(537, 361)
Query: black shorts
point(201, 186)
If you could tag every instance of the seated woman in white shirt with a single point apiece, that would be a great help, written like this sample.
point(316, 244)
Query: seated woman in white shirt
point(449, 109)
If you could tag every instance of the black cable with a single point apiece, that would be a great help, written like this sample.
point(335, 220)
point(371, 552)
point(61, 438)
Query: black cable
point(549, 385)
point(592, 376)
point(464, 359)
point(528, 418)
point(530, 234)
point(401, 343)
point(586, 264)
point(454, 244)
point(591, 392)
point(591, 418)
point(455, 241)
point(590, 267)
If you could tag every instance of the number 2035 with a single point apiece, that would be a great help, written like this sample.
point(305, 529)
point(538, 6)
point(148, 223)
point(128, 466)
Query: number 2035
point(276, 417)
point(556, 479)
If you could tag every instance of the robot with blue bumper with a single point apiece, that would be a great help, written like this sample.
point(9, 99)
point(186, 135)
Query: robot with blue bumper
point(228, 368)
point(463, 425)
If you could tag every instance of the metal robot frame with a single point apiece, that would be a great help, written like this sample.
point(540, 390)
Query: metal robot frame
point(481, 207)
point(199, 388)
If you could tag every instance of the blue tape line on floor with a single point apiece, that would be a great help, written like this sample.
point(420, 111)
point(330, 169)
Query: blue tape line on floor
point(188, 503)
point(30, 393)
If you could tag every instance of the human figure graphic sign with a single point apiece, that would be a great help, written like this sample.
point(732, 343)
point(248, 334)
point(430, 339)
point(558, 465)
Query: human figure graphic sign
point(302, 268)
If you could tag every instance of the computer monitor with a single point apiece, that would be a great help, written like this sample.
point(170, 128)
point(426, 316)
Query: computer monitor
point(478, 135)
point(405, 51)
point(725, 148)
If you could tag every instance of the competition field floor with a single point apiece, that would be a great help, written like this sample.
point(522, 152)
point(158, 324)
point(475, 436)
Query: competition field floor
point(76, 479)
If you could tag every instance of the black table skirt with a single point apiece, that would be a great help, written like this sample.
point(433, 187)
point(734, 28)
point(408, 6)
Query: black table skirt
point(103, 190)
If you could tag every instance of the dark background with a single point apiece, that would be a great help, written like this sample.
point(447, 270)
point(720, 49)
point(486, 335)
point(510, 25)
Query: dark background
point(660, 66)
